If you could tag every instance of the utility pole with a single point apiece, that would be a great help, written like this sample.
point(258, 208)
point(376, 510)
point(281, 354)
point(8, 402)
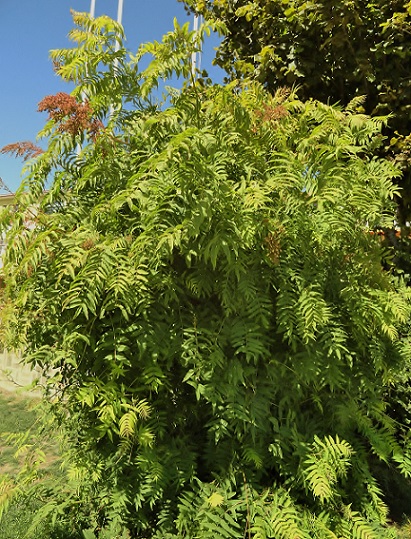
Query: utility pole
point(93, 8)
point(120, 6)
point(119, 20)
point(120, 11)
point(196, 56)
point(117, 45)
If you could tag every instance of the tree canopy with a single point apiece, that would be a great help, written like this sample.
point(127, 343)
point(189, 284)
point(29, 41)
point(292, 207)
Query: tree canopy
point(332, 51)
point(202, 287)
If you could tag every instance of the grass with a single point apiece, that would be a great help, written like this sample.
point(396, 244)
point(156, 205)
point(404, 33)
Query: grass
point(17, 520)
point(19, 415)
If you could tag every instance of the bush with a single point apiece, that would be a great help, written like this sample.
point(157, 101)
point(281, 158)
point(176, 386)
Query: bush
point(202, 286)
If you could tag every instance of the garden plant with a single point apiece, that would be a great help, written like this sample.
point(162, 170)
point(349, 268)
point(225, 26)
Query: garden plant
point(199, 279)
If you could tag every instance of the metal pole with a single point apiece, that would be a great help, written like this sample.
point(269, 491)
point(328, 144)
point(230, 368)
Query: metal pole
point(119, 20)
point(120, 11)
point(196, 56)
point(93, 8)
point(83, 94)
point(117, 45)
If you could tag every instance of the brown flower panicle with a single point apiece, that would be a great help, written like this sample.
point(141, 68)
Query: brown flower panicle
point(73, 117)
point(269, 114)
point(25, 150)
point(87, 244)
point(272, 114)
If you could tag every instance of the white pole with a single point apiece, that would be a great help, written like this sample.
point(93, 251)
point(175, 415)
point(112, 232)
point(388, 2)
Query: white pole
point(119, 20)
point(117, 46)
point(120, 11)
point(83, 94)
point(93, 8)
point(196, 56)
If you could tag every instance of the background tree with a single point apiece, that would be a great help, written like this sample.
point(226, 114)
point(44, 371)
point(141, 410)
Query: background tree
point(208, 303)
point(333, 52)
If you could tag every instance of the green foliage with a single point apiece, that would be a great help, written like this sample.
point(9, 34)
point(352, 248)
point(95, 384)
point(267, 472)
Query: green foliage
point(19, 425)
point(202, 289)
point(333, 52)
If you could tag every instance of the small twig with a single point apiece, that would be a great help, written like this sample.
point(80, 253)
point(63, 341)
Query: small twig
point(4, 186)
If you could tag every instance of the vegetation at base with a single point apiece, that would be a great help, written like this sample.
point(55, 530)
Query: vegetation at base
point(15, 417)
point(202, 287)
point(18, 416)
point(405, 531)
point(19, 519)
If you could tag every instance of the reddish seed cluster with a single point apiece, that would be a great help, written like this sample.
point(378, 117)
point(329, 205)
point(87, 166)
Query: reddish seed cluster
point(56, 66)
point(87, 244)
point(383, 234)
point(73, 117)
point(271, 114)
point(25, 150)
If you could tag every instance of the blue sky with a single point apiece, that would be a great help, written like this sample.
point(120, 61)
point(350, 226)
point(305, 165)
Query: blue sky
point(30, 28)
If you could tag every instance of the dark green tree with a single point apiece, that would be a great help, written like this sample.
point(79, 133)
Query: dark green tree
point(202, 288)
point(333, 51)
